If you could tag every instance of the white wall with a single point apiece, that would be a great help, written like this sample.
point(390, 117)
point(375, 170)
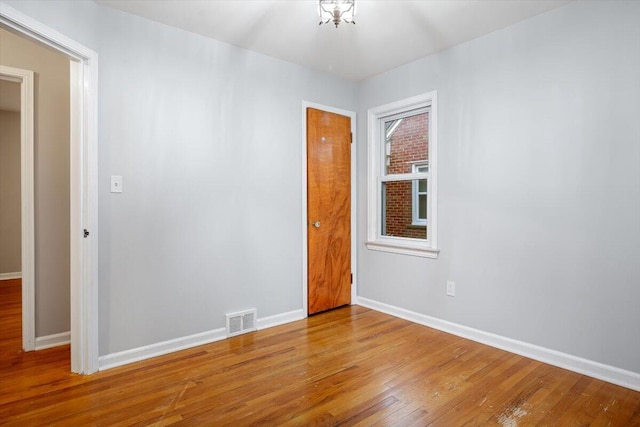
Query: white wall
point(539, 184)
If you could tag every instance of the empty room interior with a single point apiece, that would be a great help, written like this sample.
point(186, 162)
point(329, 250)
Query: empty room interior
point(333, 212)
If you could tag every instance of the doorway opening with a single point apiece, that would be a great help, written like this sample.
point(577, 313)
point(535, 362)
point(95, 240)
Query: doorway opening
point(17, 194)
point(83, 183)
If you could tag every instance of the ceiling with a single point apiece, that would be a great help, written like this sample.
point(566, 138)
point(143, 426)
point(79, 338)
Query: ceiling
point(387, 34)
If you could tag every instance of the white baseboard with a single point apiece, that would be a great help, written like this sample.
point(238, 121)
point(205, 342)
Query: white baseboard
point(10, 276)
point(280, 319)
point(587, 367)
point(158, 349)
point(152, 350)
point(54, 340)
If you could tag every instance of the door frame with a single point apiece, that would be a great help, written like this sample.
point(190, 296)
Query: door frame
point(305, 249)
point(27, 270)
point(83, 182)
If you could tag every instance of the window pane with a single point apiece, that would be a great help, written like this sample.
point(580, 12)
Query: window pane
point(405, 143)
point(422, 207)
point(397, 210)
point(422, 186)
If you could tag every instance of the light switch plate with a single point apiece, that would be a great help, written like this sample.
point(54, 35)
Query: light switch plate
point(116, 184)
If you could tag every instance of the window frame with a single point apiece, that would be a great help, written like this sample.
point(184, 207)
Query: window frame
point(377, 176)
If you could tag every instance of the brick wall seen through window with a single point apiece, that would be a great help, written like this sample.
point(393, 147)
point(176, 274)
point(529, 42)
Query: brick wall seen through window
point(408, 146)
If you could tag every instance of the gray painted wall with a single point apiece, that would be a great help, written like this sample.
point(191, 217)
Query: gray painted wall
point(539, 184)
point(207, 138)
point(51, 177)
point(10, 203)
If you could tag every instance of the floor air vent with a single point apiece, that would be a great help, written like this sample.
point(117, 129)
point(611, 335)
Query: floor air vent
point(241, 322)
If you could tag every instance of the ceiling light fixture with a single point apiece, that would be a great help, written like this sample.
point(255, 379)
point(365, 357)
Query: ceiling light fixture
point(337, 11)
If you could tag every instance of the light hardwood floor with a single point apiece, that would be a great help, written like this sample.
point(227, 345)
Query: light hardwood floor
point(350, 366)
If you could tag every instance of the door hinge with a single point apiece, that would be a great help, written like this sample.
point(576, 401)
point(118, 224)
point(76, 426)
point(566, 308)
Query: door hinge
point(352, 137)
point(352, 278)
point(86, 233)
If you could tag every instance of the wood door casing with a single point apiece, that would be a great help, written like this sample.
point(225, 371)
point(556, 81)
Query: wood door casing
point(329, 203)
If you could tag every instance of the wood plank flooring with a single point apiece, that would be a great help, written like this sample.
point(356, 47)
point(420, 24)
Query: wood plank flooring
point(351, 366)
point(10, 315)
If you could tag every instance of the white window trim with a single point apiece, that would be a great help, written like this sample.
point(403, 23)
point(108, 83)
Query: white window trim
point(415, 195)
point(417, 247)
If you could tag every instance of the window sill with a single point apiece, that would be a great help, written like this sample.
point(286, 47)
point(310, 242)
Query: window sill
point(397, 248)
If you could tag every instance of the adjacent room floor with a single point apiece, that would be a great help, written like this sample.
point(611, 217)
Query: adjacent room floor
point(351, 366)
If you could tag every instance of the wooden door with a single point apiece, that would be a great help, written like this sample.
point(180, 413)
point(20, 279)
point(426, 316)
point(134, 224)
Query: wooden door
point(328, 210)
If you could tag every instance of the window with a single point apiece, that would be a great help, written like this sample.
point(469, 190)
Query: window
point(402, 177)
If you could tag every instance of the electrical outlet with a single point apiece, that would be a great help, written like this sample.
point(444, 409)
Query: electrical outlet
point(451, 288)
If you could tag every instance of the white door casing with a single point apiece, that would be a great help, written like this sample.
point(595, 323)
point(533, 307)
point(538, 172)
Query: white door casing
point(83, 181)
